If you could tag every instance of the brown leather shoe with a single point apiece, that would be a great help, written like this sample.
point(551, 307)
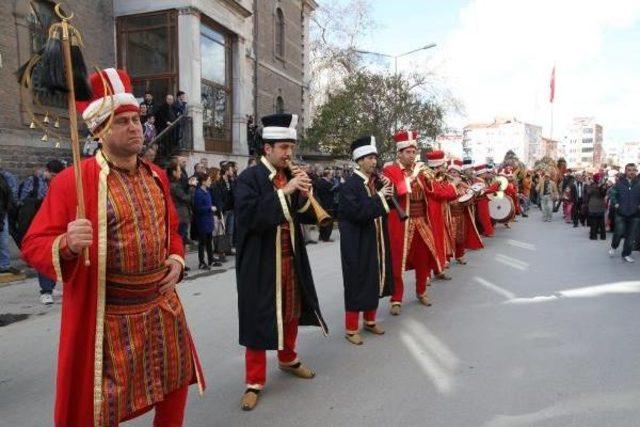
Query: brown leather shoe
point(395, 309)
point(354, 339)
point(443, 276)
point(374, 329)
point(424, 300)
point(299, 370)
point(462, 261)
point(250, 399)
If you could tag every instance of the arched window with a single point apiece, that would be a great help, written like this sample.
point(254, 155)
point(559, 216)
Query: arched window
point(279, 33)
point(279, 105)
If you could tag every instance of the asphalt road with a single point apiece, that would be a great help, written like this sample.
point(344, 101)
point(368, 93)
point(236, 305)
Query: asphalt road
point(539, 329)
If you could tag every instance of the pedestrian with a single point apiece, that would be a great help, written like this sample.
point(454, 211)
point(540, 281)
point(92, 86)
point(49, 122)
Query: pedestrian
point(150, 131)
point(148, 103)
point(276, 293)
point(181, 200)
point(165, 116)
point(203, 211)
point(577, 200)
point(123, 306)
point(567, 199)
point(8, 208)
point(224, 193)
point(221, 242)
point(364, 242)
point(144, 113)
point(625, 198)
point(548, 193)
point(149, 152)
point(409, 249)
point(180, 106)
point(31, 194)
point(324, 188)
point(594, 199)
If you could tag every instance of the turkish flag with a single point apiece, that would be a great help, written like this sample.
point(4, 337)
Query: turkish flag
point(552, 85)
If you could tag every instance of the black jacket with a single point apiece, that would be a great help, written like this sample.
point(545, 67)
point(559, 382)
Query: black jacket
point(627, 195)
point(364, 246)
point(224, 194)
point(164, 114)
point(260, 211)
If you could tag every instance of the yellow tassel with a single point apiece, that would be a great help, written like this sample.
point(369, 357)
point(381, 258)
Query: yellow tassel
point(45, 137)
point(32, 125)
point(46, 118)
point(56, 124)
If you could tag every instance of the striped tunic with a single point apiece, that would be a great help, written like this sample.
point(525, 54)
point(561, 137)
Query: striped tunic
point(146, 341)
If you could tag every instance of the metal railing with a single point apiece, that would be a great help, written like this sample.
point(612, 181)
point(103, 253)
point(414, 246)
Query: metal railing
point(176, 137)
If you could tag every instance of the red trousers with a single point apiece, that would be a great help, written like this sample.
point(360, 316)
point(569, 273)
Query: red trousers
point(422, 261)
point(352, 320)
point(169, 412)
point(256, 359)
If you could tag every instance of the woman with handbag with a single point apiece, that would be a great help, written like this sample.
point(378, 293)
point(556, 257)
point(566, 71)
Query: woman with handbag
point(204, 212)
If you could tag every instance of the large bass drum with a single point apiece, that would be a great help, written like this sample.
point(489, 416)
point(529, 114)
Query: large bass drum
point(501, 209)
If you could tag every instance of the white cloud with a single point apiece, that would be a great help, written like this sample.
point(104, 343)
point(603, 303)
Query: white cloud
point(499, 59)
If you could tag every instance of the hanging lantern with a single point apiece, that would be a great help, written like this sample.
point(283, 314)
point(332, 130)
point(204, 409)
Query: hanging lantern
point(56, 124)
point(46, 118)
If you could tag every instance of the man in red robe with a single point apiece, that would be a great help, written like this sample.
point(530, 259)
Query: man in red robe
point(439, 193)
point(464, 232)
point(485, 176)
point(125, 347)
point(412, 242)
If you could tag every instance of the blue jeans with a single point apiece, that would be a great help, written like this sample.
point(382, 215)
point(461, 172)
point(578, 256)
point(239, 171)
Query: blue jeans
point(627, 227)
point(46, 284)
point(5, 257)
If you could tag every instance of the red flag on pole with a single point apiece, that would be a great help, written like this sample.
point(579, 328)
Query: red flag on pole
point(552, 85)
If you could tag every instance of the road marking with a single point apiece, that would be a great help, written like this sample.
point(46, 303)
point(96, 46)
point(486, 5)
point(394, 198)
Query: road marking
point(523, 245)
point(433, 344)
point(439, 377)
point(512, 262)
point(497, 289)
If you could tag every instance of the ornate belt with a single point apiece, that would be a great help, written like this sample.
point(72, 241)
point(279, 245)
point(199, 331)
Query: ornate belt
point(417, 208)
point(133, 289)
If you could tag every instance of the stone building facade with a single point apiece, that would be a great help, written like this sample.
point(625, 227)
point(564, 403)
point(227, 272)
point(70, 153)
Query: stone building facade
point(236, 60)
point(23, 25)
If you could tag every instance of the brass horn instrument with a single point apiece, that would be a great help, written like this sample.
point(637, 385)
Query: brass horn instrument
point(322, 215)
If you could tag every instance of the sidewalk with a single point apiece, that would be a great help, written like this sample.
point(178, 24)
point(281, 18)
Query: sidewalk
point(20, 299)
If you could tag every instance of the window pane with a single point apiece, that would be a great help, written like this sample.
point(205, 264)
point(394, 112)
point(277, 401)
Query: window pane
point(148, 51)
point(212, 34)
point(215, 103)
point(213, 56)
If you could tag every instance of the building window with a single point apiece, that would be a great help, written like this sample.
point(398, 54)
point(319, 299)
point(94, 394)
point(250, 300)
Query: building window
point(587, 140)
point(215, 54)
point(587, 149)
point(147, 49)
point(279, 27)
point(39, 20)
point(279, 105)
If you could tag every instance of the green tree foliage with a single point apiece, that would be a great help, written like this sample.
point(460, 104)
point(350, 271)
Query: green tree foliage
point(376, 104)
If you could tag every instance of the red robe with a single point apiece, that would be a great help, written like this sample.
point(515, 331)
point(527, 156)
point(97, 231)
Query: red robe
point(397, 229)
point(512, 192)
point(483, 210)
point(79, 379)
point(438, 193)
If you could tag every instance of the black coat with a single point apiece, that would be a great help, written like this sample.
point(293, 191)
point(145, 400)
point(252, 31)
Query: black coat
point(323, 190)
point(363, 237)
point(259, 213)
point(164, 114)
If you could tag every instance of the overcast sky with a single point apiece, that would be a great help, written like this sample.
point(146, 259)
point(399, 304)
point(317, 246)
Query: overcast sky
point(497, 56)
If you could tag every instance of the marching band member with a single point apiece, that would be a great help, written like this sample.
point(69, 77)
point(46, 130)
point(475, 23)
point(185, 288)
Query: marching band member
point(276, 292)
point(125, 347)
point(412, 242)
point(439, 192)
point(364, 241)
point(485, 175)
point(465, 233)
